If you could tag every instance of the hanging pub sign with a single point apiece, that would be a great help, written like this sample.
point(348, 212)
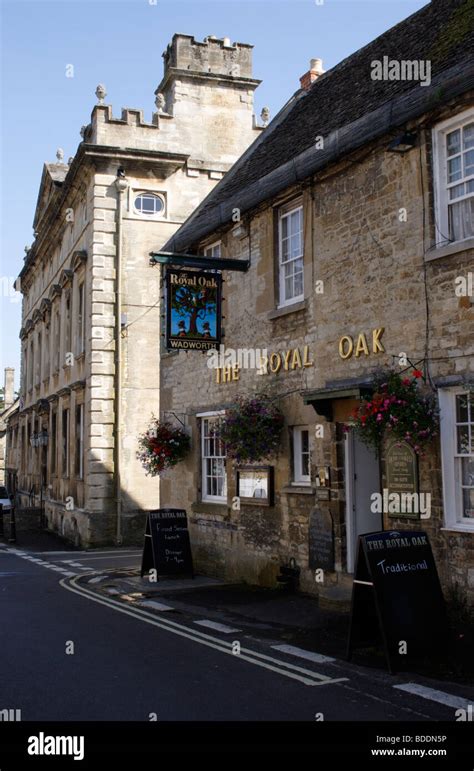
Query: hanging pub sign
point(167, 548)
point(193, 310)
point(397, 598)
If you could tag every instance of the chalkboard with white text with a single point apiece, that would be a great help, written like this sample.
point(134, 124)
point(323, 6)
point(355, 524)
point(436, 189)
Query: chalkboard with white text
point(397, 598)
point(167, 547)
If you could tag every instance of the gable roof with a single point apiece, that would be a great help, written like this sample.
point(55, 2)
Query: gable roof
point(347, 108)
point(52, 178)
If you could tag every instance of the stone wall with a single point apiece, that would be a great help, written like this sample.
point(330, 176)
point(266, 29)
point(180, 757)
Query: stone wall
point(368, 223)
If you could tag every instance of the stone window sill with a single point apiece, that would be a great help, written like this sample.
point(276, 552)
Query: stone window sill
point(298, 490)
point(468, 529)
point(445, 251)
point(209, 507)
point(287, 309)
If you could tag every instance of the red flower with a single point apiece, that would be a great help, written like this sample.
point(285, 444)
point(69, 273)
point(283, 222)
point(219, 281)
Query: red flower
point(417, 373)
point(406, 381)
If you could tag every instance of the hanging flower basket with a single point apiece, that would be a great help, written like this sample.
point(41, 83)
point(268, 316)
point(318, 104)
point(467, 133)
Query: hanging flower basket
point(161, 447)
point(251, 430)
point(399, 409)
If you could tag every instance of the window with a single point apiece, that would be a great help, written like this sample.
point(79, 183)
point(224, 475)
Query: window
point(80, 330)
point(31, 365)
point(301, 456)
point(465, 453)
point(38, 360)
point(79, 460)
point(67, 310)
point(57, 340)
point(25, 370)
point(46, 353)
point(214, 479)
point(214, 250)
point(290, 255)
point(65, 443)
point(453, 143)
point(53, 442)
point(457, 448)
point(149, 204)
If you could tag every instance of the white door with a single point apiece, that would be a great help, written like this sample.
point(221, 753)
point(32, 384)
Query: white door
point(362, 481)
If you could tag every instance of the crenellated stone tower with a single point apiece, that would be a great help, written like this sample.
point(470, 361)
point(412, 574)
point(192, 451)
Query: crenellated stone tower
point(129, 186)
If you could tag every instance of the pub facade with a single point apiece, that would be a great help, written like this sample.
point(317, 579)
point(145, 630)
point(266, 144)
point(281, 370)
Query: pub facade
point(355, 214)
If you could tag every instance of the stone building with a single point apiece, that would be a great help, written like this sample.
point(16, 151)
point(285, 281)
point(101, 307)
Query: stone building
point(90, 334)
point(357, 221)
point(9, 406)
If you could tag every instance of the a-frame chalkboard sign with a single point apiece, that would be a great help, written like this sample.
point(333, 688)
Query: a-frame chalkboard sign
point(397, 598)
point(167, 548)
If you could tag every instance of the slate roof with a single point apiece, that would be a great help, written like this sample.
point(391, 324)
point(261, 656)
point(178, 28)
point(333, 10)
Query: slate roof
point(441, 32)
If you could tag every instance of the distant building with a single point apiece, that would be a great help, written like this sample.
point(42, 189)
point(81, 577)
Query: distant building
point(9, 406)
point(357, 218)
point(91, 322)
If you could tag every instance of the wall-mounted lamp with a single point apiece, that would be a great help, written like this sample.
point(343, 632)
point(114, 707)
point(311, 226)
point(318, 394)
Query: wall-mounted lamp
point(403, 143)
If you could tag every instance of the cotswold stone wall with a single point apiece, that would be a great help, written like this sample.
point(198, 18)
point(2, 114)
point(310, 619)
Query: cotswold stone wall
point(368, 224)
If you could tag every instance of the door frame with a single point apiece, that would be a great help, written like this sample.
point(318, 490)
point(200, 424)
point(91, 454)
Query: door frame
point(349, 486)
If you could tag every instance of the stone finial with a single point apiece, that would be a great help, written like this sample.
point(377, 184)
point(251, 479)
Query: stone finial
point(100, 93)
point(27, 249)
point(70, 160)
point(160, 103)
point(60, 154)
point(265, 115)
point(83, 131)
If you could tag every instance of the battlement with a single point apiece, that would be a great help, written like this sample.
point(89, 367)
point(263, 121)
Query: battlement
point(216, 56)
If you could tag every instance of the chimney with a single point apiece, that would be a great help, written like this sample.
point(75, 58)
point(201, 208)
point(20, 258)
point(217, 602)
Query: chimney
point(315, 70)
point(9, 387)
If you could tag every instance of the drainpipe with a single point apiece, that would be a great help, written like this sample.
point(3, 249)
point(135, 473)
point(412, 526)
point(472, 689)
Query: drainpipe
point(121, 185)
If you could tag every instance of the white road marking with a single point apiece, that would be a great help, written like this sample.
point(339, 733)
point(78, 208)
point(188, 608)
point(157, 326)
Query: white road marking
point(111, 557)
point(448, 699)
point(292, 671)
point(216, 626)
point(292, 650)
point(154, 604)
point(95, 580)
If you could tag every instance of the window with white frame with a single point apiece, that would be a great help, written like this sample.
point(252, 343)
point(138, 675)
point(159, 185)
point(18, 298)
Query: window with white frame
point(457, 448)
point(290, 255)
point(149, 204)
point(214, 478)
point(213, 250)
point(301, 456)
point(453, 143)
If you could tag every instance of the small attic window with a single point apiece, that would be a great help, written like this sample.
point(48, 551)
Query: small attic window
point(149, 204)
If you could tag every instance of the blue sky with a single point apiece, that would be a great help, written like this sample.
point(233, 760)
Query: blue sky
point(119, 43)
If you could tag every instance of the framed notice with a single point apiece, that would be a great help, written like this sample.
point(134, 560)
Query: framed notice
point(193, 310)
point(401, 471)
point(255, 485)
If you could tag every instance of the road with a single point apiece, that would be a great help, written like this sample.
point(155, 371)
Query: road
point(68, 654)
